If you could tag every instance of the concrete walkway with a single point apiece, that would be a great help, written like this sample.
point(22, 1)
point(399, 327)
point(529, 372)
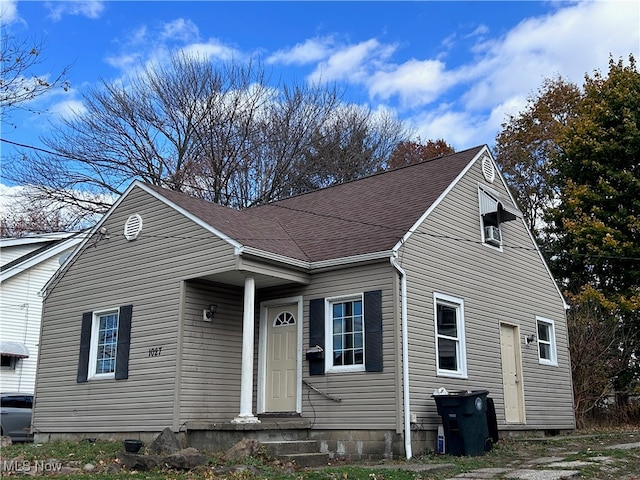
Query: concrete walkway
point(544, 468)
point(549, 468)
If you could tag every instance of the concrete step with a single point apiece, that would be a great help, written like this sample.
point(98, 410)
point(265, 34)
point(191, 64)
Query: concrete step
point(306, 459)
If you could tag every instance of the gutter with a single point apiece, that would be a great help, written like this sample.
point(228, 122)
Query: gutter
point(405, 357)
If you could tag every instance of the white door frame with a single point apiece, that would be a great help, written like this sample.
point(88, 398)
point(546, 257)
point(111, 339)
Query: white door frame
point(262, 349)
point(519, 372)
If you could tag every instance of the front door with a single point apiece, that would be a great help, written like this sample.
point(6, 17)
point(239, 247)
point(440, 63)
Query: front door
point(281, 359)
point(511, 374)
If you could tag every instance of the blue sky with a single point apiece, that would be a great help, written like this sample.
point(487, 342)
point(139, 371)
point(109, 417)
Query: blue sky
point(452, 70)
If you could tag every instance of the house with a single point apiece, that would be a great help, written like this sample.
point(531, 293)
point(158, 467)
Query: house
point(27, 264)
point(339, 311)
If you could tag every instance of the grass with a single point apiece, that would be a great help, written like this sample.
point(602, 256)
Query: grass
point(621, 464)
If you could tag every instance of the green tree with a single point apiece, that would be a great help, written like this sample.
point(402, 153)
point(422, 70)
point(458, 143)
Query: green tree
point(594, 230)
point(528, 143)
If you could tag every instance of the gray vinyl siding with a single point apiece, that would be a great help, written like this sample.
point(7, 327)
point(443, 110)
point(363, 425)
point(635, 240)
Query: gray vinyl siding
point(211, 358)
point(212, 355)
point(109, 273)
point(446, 255)
point(367, 399)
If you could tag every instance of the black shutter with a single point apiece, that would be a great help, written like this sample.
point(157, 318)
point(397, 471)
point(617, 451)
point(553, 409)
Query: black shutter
point(373, 331)
point(316, 334)
point(124, 339)
point(85, 346)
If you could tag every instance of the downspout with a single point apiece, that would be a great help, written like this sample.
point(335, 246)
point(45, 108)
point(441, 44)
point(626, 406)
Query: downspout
point(405, 357)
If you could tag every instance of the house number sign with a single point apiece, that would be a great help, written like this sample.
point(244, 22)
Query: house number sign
point(155, 351)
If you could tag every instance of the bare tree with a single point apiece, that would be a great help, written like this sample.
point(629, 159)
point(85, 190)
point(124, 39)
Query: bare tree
point(26, 216)
point(594, 336)
point(222, 133)
point(18, 83)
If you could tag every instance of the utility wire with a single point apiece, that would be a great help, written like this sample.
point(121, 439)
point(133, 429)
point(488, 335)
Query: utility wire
point(337, 217)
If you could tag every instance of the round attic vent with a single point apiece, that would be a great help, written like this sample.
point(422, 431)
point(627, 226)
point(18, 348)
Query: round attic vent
point(133, 227)
point(487, 169)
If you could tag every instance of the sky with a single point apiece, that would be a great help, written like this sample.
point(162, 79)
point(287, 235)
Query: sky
point(453, 70)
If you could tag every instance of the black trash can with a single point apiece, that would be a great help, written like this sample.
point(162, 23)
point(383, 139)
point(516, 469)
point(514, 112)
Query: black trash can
point(464, 420)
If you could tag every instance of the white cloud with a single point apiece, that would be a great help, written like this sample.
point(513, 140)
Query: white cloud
point(68, 108)
point(9, 11)
point(213, 49)
point(124, 62)
point(312, 50)
point(414, 82)
point(571, 41)
point(8, 197)
point(180, 30)
point(353, 63)
point(86, 8)
point(457, 128)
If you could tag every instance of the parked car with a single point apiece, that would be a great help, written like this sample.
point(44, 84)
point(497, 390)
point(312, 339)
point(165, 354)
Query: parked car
point(16, 416)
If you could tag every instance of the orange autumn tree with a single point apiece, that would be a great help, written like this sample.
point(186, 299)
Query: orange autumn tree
point(408, 152)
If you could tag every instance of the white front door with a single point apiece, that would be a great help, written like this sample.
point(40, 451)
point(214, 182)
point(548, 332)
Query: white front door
point(281, 359)
point(513, 387)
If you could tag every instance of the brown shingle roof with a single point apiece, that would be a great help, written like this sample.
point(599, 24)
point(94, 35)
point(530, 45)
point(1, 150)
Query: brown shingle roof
point(359, 217)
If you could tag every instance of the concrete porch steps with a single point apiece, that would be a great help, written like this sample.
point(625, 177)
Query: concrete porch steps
point(305, 453)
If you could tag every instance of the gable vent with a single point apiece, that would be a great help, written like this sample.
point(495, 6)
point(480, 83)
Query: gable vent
point(487, 169)
point(133, 227)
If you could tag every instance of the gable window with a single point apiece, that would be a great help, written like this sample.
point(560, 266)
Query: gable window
point(451, 356)
point(348, 329)
point(104, 344)
point(547, 353)
point(495, 209)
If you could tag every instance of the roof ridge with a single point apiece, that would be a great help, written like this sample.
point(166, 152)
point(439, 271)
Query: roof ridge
point(372, 175)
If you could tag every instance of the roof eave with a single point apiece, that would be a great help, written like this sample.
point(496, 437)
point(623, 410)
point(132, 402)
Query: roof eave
point(327, 264)
point(35, 260)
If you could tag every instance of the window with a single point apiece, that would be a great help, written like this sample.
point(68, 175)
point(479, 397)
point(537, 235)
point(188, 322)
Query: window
point(495, 209)
point(104, 344)
point(8, 362)
point(17, 401)
point(451, 355)
point(346, 334)
point(349, 330)
point(546, 342)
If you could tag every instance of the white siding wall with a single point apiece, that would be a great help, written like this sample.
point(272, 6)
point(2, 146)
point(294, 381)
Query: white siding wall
point(9, 254)
point(20, 313)
point(446, 255)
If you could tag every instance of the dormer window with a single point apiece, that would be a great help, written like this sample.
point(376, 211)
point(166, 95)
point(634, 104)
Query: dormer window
point(495, 209)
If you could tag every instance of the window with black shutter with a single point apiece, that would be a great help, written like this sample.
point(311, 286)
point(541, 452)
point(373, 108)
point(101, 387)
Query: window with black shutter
point(349, 332)
point(105, 337)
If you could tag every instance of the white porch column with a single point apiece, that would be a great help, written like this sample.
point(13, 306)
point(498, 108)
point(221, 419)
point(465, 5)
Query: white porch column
point(246, 381)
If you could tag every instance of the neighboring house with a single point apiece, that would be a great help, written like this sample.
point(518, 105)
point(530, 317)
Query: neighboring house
point(344, 308)
point(27, 264)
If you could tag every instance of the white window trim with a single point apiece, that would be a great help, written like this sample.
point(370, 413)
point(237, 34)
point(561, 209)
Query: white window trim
point(93, 350)
point(328, 335)
point(552, 342)
point(461, 349)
